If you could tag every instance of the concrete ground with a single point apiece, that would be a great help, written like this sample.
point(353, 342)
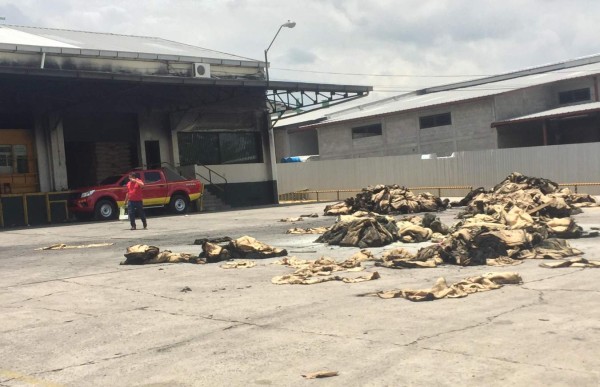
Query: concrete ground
point(78, 318)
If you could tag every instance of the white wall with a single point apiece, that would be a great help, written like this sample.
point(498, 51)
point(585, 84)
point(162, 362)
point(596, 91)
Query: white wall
point(238, 173)
point(560, 163)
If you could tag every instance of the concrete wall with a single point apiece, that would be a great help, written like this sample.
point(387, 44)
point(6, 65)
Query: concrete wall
point(282, 144)
point(155, 127)
point(304, 143)
point(561, 163)
point(401, 133)
point(470, 129)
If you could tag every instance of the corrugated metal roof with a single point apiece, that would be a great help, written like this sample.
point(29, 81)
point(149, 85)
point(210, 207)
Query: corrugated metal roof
point(108, 43)
point(453, 93)
point(323, 113)
point(557, 112)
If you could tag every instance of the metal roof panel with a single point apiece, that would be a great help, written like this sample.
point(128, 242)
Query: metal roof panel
point(47, 37)
point(557, 112)
point(414, 101)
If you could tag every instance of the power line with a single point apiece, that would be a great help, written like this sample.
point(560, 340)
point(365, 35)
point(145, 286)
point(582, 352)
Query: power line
point(420, 75)
point(382, 75)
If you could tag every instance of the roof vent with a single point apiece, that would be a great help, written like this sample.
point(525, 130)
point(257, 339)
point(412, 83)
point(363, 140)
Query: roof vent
point(201, 70)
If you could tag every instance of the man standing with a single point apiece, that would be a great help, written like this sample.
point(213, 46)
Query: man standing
point(133, 199)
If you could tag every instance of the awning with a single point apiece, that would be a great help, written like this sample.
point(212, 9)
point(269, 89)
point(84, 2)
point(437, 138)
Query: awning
point(561, 112)
point(281, 96)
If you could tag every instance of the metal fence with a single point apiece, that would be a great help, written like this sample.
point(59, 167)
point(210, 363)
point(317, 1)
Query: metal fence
point(579, 163)
point(33, 208)
point(329, 195)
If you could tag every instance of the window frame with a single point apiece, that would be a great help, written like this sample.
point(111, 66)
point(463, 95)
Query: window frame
point(222, 154)
point(364, 131)
point(150, 174)
point(439, 119)
point(15, 159)
point(568, 97)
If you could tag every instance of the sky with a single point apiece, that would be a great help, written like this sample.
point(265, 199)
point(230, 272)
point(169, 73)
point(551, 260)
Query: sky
point(395, 46)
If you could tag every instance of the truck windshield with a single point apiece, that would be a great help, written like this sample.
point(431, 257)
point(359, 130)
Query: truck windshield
point(110, 180)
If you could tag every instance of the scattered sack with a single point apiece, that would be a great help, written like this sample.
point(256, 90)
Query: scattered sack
point(388, 199)
point(401, 258)
point(312, 230)
point(144, 254)
point(361, 230)
point(574, 262)
point(503, 261)
point(320, 374)
point(551, 248)
point(305, 277)
point(62, 246)
point(243, 264)
point(243, 247)
point(459, 289)
point(321, 270)
point(223, 239)
point(299, 219)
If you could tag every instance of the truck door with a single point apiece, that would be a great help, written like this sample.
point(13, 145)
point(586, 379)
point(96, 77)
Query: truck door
point(155, 189)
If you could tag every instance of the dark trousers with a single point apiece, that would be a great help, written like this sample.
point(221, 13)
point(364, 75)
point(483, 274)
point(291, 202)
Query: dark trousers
point(132, 206)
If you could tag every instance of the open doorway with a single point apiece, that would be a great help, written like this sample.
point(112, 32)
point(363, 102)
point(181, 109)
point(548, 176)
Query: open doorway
point(153, 160)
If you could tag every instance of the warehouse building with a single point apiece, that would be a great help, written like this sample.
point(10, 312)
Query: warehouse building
point(77, 107)
point(547, 105)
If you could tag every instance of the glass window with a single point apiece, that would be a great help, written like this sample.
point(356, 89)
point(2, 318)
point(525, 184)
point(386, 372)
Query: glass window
point(572, 96)
point(366, 131)
point(212, 148)
point(198, 148)
point(435, 120)
point(22, 163)
point(239, 148)
point(152, 177)
point(6, 159)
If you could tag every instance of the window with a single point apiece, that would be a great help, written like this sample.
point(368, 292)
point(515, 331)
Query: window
point(6, 156)
point(435, 120)
point(572, 96)
point(212, 148)
point(13, 159)
point(21, 163)
point(366, 131)
point(152, 177)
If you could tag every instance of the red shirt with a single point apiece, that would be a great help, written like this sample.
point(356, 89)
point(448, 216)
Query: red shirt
point(134, 191)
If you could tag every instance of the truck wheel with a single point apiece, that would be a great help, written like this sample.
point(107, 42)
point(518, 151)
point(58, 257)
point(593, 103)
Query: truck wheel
point(105, 210)
point(179, 204)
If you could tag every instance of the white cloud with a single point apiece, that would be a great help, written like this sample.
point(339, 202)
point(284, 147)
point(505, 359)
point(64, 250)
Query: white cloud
point(402, 37)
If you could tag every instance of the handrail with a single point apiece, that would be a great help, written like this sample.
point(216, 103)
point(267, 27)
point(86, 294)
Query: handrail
point(209, 179)
point(212, 172)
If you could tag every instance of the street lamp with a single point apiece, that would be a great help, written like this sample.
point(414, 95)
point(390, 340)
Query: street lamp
point(288, 24)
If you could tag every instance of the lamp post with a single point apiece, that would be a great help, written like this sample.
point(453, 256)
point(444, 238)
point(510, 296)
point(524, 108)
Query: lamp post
point(288, 24)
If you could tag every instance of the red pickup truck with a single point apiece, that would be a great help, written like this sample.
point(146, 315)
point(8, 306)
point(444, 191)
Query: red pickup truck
point(162, 187)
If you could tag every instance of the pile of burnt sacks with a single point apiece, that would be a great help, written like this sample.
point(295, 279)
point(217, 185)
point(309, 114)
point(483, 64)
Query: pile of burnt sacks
point(522, 217)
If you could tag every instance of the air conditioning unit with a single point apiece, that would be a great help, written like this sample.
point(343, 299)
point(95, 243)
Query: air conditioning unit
point(201, 70)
